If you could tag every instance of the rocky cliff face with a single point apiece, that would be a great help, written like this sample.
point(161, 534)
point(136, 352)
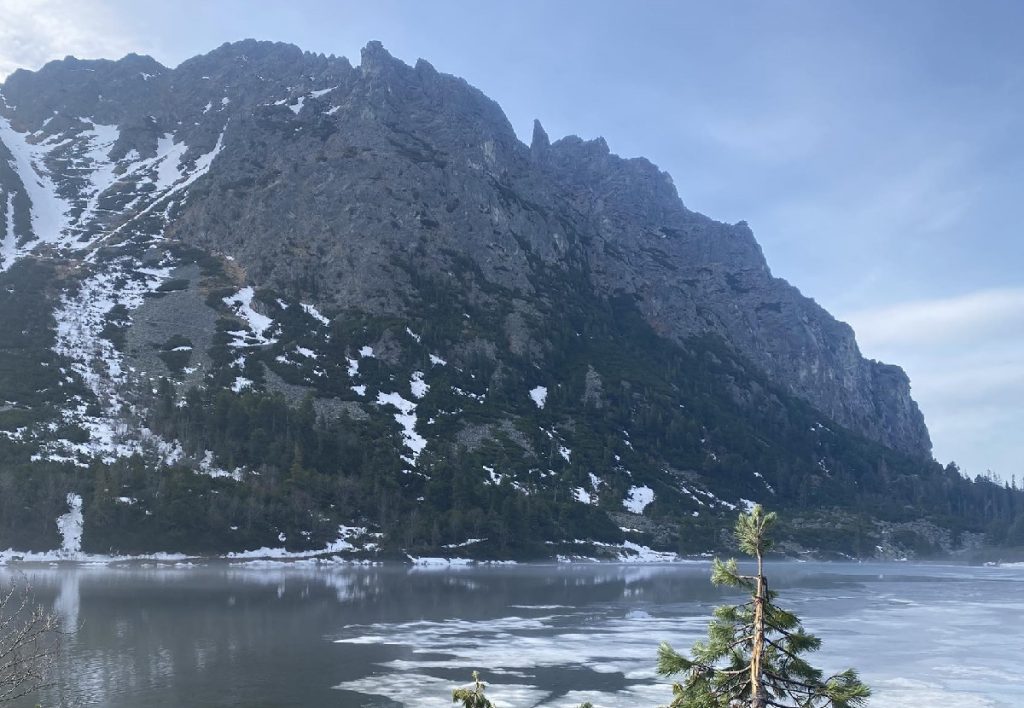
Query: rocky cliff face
point(386, 200)
point(329, 177)
point(694, 275)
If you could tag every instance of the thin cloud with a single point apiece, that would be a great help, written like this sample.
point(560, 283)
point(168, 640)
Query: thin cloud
point(33, 32)
point(995, 313)
point(784, 137)
point(965, 359)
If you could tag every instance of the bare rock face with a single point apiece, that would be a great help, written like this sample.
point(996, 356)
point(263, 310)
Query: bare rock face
point(693, 275)
point(374, 188)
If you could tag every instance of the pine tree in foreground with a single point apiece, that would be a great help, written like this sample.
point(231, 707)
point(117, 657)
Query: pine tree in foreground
point(752, 656)
point(472, 697)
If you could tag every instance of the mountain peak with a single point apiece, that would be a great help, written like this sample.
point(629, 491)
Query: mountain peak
point(375, 59)
point(251, 48)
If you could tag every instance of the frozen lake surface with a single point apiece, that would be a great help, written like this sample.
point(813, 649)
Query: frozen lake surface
point(553, 635)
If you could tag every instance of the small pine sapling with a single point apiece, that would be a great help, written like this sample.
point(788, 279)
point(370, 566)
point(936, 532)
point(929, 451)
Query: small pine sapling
point(472, 697)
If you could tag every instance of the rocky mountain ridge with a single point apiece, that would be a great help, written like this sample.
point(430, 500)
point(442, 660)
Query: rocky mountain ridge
point(373, 249)
point(452, 159)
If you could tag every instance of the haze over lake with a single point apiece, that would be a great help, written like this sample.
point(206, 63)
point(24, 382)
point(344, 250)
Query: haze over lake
point(552, 635)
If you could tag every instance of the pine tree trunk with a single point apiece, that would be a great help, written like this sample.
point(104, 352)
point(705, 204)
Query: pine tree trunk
point(758, 695)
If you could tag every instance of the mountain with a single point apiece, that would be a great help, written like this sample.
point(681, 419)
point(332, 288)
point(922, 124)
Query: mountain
point(266, 295)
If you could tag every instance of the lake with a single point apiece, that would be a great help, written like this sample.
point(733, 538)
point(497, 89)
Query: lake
point(542, 635)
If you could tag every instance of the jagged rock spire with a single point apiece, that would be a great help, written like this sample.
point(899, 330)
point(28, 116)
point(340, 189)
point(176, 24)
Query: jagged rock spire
point(540, 143)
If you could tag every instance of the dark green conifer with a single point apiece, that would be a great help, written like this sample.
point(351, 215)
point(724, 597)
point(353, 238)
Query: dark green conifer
point(752, 656)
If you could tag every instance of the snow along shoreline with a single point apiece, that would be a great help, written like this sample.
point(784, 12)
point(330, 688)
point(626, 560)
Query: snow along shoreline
point(356, 541)
point(628, 554)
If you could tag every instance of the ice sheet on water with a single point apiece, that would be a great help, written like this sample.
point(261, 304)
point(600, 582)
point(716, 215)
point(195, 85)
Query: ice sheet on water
point(517, 649)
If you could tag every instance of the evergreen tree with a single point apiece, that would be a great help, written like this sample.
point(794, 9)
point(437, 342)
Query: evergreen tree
point(472, 697)
point(752, 657)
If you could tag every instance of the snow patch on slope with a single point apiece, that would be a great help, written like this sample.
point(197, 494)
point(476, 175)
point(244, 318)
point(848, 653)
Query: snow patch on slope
point(80, 319)
point(637, 499)
point(539, 396)
point(315, 314)
point(417, 385)
point(406, 417)
point(99, 140)
point(210, 469)
point(70, 526)
point(625, 552)
point(168, 161)
point(171, 179)
point(259, 324)
point(344, 543)
point(49, 209)
point(9, 244)
point(66, 175)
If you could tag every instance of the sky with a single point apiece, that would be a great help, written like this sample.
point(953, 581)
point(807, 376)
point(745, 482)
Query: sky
point(875, 148)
